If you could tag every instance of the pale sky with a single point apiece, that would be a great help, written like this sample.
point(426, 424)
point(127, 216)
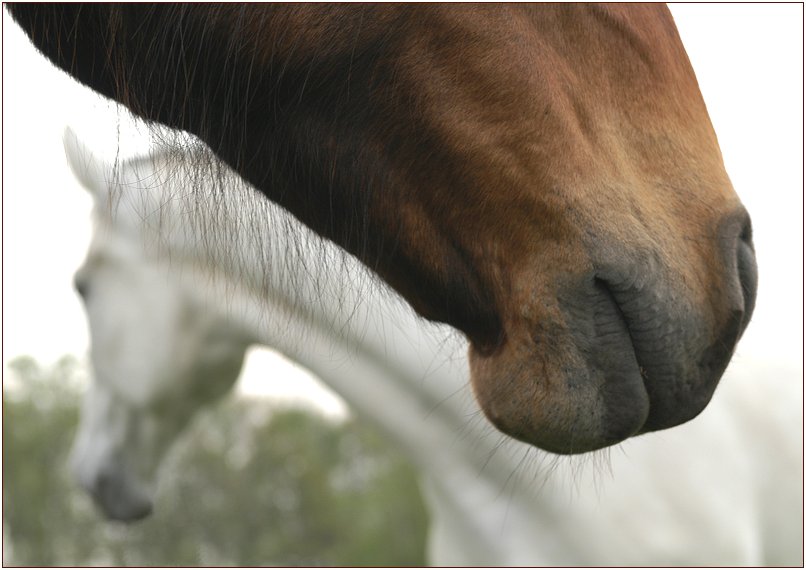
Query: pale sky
point(748, 59)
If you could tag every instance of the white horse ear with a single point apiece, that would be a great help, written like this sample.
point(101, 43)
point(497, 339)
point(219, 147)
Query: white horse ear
point(89, 170)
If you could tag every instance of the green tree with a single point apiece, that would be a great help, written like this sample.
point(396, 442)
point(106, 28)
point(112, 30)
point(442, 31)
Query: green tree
point(248, 484)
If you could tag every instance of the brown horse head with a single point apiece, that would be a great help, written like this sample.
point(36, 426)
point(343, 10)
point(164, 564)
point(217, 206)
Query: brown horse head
point(544, 178)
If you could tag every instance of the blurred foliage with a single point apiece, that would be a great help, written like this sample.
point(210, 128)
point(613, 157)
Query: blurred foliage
point(248, 484)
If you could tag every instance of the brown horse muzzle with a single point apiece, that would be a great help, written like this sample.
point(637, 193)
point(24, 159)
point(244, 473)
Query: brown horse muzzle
point(620, 351)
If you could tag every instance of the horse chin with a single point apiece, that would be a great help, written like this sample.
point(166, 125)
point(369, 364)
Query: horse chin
point(564, 406)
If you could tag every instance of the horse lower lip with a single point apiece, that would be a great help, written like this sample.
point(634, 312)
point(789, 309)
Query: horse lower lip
point(617, 357)
point(669, 346)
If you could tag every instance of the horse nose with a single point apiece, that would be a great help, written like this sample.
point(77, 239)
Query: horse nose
point(118, 496)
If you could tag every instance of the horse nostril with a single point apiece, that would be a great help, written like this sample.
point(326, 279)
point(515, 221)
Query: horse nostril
point(747, 270)
point(741, 277)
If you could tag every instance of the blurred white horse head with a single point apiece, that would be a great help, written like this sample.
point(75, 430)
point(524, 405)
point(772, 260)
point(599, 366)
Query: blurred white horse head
point(157, 356)
point(173, 305)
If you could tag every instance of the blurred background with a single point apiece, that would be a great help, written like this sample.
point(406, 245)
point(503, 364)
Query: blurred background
point(315, 486)
point(252, 483)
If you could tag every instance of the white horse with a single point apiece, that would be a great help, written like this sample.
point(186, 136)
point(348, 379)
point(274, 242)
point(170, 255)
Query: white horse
point(173, 304)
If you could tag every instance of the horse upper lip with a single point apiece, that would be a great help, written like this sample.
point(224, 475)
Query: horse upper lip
point(629, 326)
point(670, 345)
point(630, 331)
